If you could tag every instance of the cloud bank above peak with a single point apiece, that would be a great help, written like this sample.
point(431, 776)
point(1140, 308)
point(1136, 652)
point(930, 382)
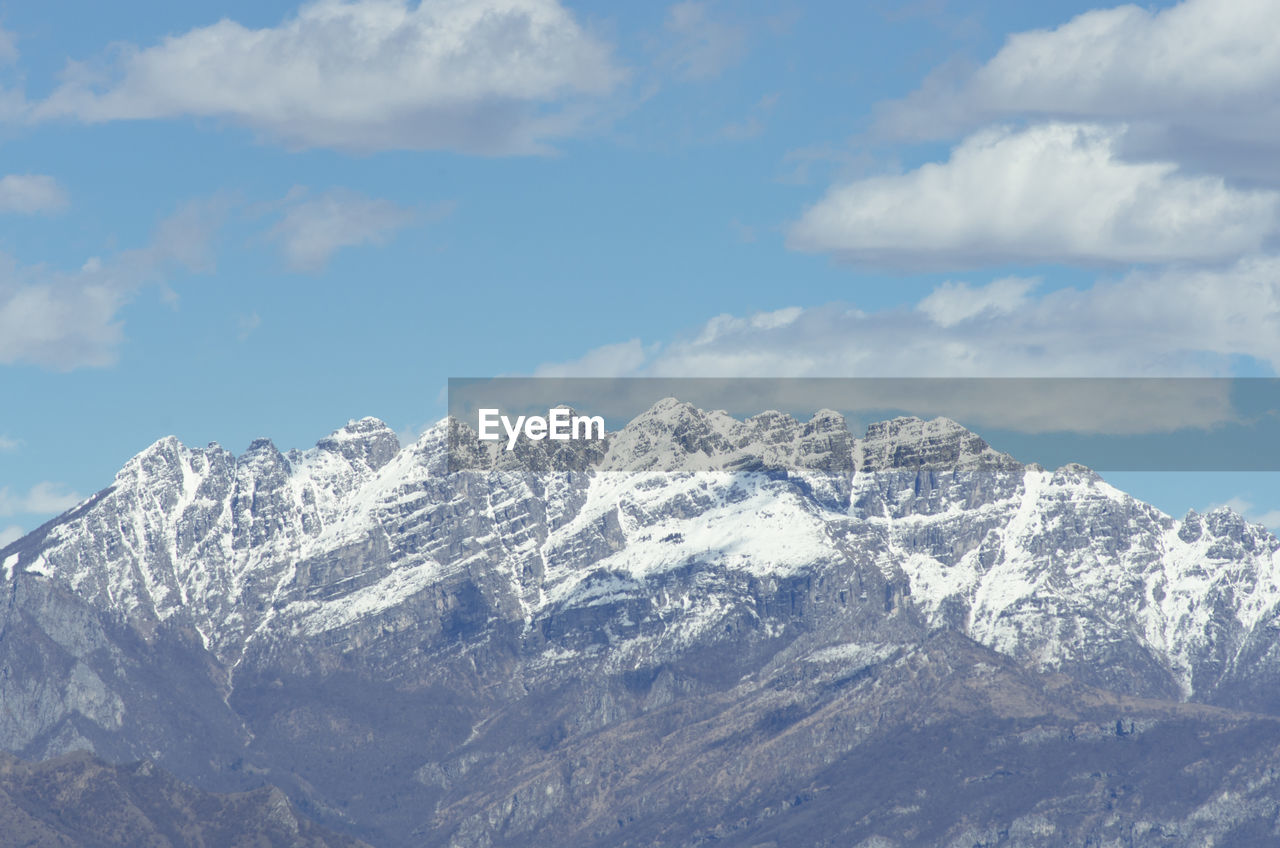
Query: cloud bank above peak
point(1167, 322)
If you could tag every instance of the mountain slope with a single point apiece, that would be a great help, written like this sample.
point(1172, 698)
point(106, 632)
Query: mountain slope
point(76, 801)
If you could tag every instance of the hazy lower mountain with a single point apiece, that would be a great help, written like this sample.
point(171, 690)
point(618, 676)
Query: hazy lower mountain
point(77, 801)
point(702, 629)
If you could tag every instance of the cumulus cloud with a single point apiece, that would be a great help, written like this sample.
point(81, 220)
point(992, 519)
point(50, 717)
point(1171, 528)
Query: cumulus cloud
point(313, 228)
point(1149, 323)
point(41, 499)
point(477, 76)
point(701, 45)
point(1200, 75)
point(67, 320)
point(62, 321)
point(1052, 192)
point(30, 194)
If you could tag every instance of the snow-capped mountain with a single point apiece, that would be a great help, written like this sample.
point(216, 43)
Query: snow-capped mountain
point(687, 553)
point(1054, 568)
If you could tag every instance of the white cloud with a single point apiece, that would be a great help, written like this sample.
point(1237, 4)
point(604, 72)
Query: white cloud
point(605, 361)
point(12, 533)
point(777, 318)
point(1165, 323)
point(29, 194)
point(1201, 75)
point(66, 320)
point(478, 76)
point(8, 444)
point(1053, 192)
point(314, 228)
point(63, 321)
point(1168, 322)
point(953, 302)
point(702, 46)
point(41, 499)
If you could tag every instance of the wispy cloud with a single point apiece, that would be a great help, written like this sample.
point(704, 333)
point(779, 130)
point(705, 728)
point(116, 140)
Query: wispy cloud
point(8, 444)
point(1053, 192)
point(701, 45)
point(41, 499)
point(621, 359)
point(476, 76)
point(246, 324)
point(313, 228)
point(67, 320)
point(31, 194)
point(11, 533)
point(754, 123)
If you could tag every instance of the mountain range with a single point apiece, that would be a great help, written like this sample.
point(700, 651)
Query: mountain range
point(701, 629)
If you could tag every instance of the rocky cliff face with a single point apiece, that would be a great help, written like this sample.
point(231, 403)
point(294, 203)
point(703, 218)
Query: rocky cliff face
point(464, 647)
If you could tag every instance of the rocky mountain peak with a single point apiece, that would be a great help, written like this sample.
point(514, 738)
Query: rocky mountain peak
point(1233, 536)
point(165, 453)
point(1190, 527)
point(1074, 472)
point(827, 420)
point(909, 442)
point(263, 458)
point(772, 426)
point(368, 440)
point(673, 435)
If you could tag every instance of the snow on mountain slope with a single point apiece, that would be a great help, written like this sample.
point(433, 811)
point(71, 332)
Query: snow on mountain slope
point(744, 522)
point(1055, 568)
point(1069, 573)
point(211, 538)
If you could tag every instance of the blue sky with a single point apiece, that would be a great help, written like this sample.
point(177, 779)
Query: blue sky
point(222, 221)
